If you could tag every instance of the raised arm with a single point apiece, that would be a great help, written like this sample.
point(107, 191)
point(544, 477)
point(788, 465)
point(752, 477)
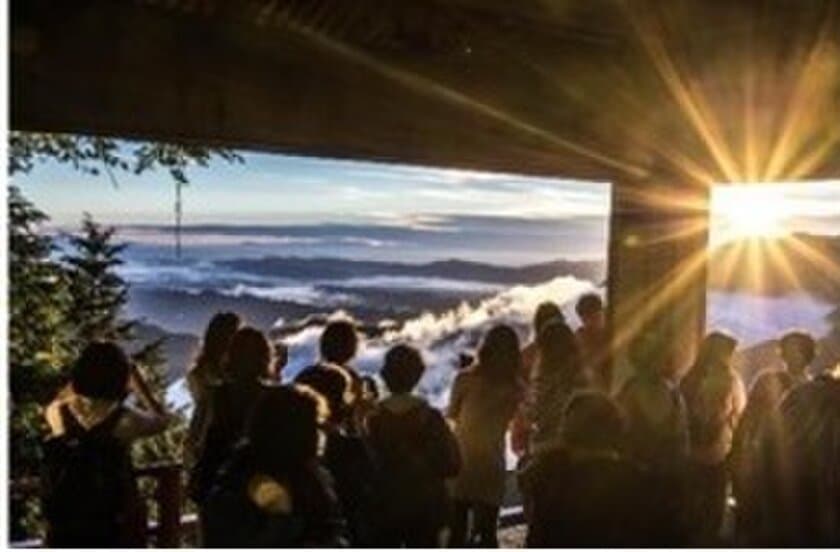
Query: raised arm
point(151, 418)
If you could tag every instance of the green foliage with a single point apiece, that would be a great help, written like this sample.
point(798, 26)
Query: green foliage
point(98, 292)
point(39, 337)
point(39, 343)
point(95, 154)
point(57, 307)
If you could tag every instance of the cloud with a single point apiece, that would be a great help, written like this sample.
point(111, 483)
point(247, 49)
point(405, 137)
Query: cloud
point(440, 337)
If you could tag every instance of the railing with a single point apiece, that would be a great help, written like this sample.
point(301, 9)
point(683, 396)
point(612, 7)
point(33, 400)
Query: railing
point(168, 527)
point(171, 527)
point(169, 497)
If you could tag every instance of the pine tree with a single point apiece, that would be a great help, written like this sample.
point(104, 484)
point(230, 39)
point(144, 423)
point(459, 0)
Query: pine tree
point(39, 336)
point(39, 343)
point(99, 293)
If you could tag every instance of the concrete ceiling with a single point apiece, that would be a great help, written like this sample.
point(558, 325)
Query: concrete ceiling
point(701, 90)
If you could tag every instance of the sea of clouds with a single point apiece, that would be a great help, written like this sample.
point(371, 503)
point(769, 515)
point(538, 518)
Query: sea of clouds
point(441, 337)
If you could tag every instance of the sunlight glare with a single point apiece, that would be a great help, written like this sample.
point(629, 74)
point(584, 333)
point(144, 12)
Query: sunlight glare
point(749, 211)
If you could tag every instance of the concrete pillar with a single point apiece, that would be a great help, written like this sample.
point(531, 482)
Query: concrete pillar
point(657, 269)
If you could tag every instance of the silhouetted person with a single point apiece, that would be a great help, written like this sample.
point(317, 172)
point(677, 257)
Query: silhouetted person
point(415, 452)
point(339, 345)
point(714, 397)
point(586, 493)
point(520, 431)
point(798, 350)
point(248, 364)
point(760, 416)
point(657, 421)
point(594, 341)
point(346, 456)
point(800, 469)
point(273, 491)
point(203, 377)
point(546, 312)
point(90, 497)
point(559, 373)
point(483, 401)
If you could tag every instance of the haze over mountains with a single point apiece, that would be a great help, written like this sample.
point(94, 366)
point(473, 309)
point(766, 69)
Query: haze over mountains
point(778, 266)
point(299, 293)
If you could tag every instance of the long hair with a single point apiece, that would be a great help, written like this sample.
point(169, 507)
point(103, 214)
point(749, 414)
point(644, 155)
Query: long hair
point(559, 352)
point(715, 353)
point(214, 346)
point(249, 356)
point(499, 356)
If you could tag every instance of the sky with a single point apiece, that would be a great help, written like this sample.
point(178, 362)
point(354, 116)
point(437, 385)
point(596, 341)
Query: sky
point(279, 189)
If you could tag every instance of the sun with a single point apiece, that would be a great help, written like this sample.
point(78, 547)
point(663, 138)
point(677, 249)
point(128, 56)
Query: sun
point(748, 211)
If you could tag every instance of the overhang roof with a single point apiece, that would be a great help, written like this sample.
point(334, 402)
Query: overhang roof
point(704, 90)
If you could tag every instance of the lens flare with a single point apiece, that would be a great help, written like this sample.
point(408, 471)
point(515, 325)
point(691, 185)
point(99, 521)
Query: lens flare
point(748, 211)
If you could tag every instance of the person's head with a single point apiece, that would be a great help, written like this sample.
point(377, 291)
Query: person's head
point(102, 371)
point(545, 313)
point(339, 342)
point(214, 346)
point(402, 369)
point(249, 356)
point(499, 357)
point(283, 430)
point(716, 349)
point(768, 389)
point(590, 309)
point(592, 421)
point(334, 384)
point(559, 351)
point(797, 350)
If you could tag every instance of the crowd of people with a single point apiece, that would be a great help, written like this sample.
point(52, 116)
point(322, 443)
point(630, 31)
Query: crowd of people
point(328, 459)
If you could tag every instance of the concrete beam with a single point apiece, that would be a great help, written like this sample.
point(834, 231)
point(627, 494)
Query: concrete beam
point(657, 269)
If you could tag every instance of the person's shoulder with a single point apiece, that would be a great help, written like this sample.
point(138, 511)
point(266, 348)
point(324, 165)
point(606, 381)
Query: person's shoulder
point(546, 464)
point(429, 413)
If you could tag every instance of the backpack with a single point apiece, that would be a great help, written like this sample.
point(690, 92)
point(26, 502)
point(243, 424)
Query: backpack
point(87, 484)
point(415, 452)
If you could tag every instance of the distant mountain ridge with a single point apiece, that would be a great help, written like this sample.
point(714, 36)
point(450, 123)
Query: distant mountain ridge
point(333, 268)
